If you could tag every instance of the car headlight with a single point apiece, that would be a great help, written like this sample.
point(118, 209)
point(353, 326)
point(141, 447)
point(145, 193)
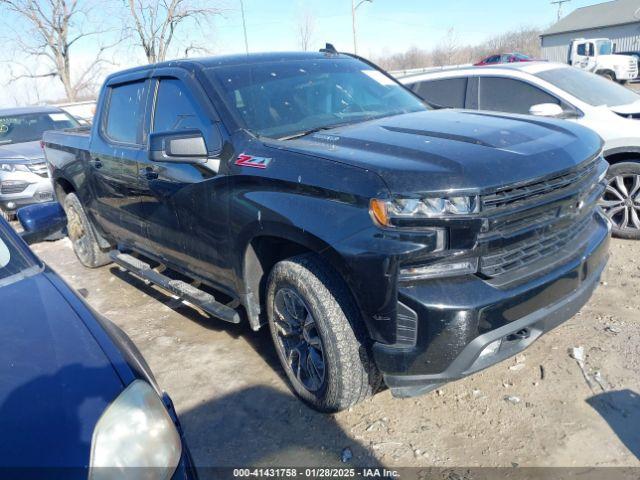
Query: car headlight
point(135, 431)
point(401, 212)
point(13, 167)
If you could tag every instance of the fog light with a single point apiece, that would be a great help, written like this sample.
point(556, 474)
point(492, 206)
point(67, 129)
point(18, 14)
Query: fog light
point(439, 270)
point(491, 349)
point(11, 205)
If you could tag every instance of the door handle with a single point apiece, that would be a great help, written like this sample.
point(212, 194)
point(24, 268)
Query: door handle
point(96, 162)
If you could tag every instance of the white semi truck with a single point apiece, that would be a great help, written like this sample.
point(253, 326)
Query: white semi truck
point(597, 55)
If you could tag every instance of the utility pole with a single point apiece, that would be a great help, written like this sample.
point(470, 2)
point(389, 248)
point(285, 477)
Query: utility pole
point(559, 3)
point(354, 7)
point(244, 27)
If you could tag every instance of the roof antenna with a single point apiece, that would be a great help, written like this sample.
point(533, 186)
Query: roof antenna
point(329, 49)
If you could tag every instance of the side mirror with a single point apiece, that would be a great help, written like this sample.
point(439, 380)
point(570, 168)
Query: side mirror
point(41, 221)
point(546, 110)
point(182, 146)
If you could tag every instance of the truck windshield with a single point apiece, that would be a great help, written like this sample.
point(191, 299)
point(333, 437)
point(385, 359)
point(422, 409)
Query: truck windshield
point(12, 261)
point(604, 47)
point(29, 127)
point(589, 87)
point(285, 99)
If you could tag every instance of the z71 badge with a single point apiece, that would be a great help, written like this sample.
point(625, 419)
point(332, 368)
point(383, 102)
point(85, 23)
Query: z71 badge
point(245, 160)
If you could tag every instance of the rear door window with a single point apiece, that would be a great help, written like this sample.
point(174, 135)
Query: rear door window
point(510, 95)
point(443, 93)
point(125, 113)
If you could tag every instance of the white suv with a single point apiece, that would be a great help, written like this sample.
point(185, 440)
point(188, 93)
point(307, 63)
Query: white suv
point(555, 90)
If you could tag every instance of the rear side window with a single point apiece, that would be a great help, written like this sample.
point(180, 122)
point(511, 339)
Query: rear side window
point(509, 95)
point(445, 93)
point(125, 114)
point(174, 108)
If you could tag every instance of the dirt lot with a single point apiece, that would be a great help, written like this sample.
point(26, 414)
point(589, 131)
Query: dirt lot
point(237, 410)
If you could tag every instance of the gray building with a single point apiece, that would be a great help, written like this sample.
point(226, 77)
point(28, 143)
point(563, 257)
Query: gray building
point(618, 20)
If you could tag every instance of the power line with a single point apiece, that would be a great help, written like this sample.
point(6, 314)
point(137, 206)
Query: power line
point(560, 3)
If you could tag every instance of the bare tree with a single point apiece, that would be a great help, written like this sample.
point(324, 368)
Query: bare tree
point(53, 27)
point(155, 23)
point(446, 52)
point(306, 28)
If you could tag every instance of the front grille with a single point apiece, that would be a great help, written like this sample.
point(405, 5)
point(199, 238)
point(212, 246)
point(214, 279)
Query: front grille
point(509, 196)
point(533, 222)
point(39, 169)
point(537, 247)
point(9, 188)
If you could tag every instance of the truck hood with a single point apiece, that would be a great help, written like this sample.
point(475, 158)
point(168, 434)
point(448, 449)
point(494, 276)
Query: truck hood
point(27, 152)
point(56, 379)
point(628, 109)
point(448, 150)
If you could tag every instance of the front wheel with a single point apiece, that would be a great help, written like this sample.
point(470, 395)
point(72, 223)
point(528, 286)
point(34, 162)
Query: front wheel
point(608, 75)
point(621, 199)
point(317, 334)
point(82, 234)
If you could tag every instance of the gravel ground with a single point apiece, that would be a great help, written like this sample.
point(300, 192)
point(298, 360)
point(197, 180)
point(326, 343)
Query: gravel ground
point(538, 409)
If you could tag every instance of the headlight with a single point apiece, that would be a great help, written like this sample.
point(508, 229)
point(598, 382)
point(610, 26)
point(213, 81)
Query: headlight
point(13, 167)
point(402, 211)
point(135, 431)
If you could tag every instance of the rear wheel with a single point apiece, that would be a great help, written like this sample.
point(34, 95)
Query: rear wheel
point(315, 328)
point(82, 234)
point(621, 199)
point(5, 215)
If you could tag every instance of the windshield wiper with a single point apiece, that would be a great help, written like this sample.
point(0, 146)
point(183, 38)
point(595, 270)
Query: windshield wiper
point(314, 130)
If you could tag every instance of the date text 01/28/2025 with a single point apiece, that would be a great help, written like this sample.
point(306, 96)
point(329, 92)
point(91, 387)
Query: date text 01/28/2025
point(317, 472)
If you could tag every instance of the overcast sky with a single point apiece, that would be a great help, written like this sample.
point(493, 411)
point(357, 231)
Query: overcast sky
point(384, 26)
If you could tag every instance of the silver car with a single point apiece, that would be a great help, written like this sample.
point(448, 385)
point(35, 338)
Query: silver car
point(24, 178)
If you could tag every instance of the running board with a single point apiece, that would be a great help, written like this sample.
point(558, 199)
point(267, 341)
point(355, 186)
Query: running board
point(189, 293)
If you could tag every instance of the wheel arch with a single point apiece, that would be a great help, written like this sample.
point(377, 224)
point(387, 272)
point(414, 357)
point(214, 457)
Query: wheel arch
point(266, 248)
point(622, 154)
point(62, 188)
point(607, 71)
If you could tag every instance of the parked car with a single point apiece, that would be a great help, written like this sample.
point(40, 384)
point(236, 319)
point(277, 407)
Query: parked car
point(77, 399)
point(556, 90)
point(312, 192)
point(596, 55)
point(504, 58)
point(24, 178)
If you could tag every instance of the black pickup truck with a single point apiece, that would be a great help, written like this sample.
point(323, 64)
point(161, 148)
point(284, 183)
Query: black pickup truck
point(312, 192)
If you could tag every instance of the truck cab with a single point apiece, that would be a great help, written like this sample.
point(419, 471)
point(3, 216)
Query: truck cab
point(597, 55)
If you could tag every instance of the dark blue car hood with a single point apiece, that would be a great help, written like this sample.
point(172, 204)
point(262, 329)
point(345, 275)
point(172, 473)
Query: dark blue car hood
point(55, 380)
point(454, 150)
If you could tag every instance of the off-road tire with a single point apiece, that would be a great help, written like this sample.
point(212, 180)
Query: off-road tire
point(82, 234)
point(630, 172)
point(5, 216)
point(350, 375)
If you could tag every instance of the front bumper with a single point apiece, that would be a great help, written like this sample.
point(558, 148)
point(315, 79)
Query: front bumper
point(13, 196)
point(459, 318)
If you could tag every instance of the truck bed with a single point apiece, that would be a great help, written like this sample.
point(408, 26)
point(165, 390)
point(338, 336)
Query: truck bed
point(72, 139)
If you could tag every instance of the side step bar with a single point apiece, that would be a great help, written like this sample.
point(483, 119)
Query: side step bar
point(187, 292)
